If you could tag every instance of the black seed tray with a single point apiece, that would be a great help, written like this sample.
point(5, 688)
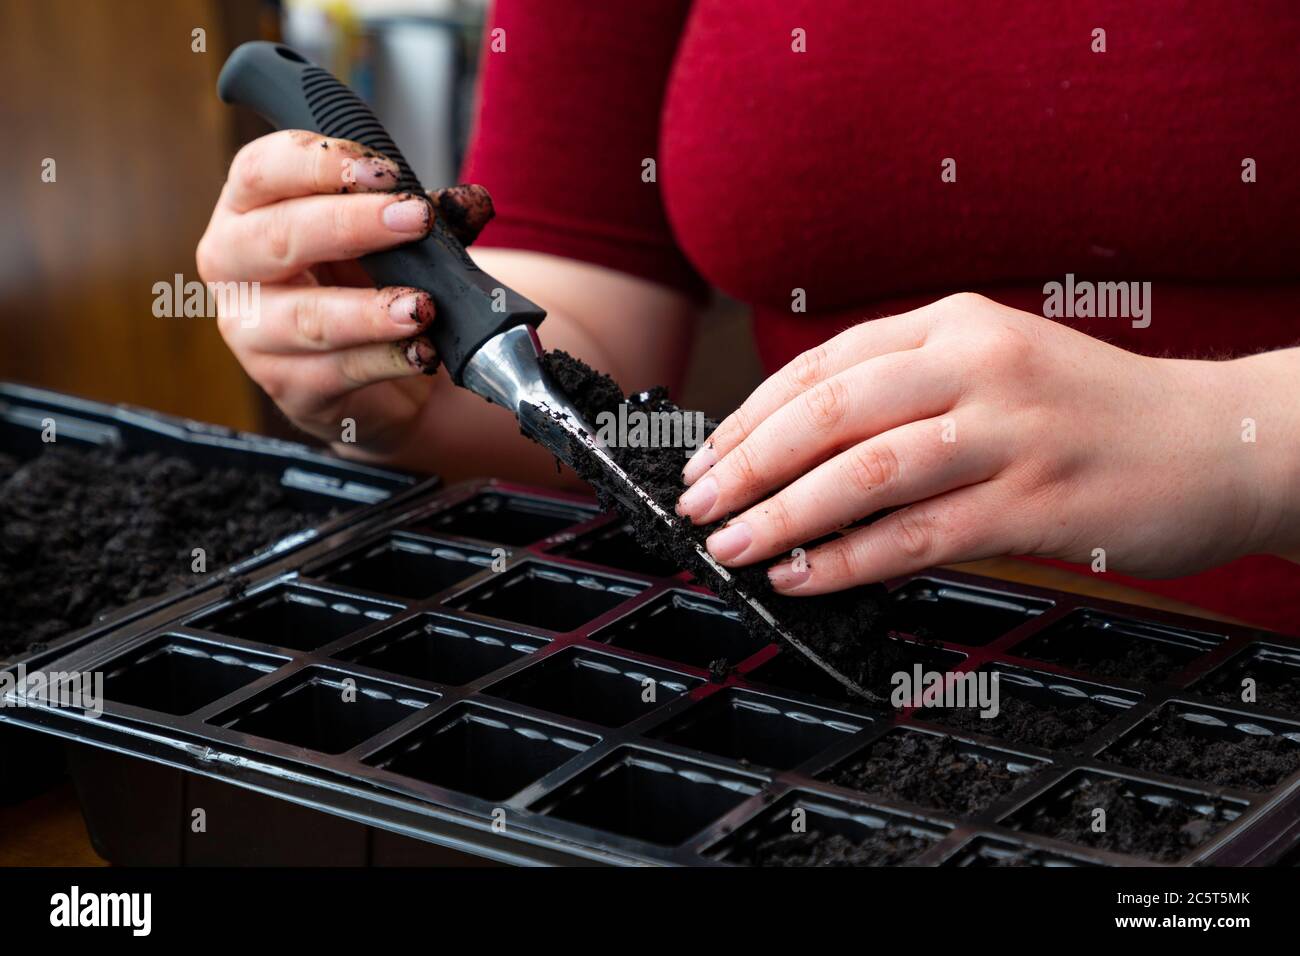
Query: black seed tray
point(492, 673)
point(318, 484)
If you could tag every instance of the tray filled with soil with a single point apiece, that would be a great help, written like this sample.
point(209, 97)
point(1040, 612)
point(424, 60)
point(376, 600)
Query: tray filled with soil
point(1118, 648)
point(488, 672)
point(1041, 710)
point(1211, 746)
point(1159, 824)
point(109, 511)
point(806, 829)
point(1261, 675)
point(933, 770)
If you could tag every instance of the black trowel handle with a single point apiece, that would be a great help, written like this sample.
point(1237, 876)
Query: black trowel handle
point(291, 93)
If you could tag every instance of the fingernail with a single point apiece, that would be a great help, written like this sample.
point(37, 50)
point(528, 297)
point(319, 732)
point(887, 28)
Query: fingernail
point(422, 355)
point(729, 542)
point(703, 459)
point(698, 499)
point(409, 216)
point(372, 172)
point(414, 310)
point(786, 578)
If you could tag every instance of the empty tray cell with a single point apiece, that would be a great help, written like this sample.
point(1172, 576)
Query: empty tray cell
point(685, 627)
point(324, 710)
point(933, 771)
point(645, 796)
point(444, 650)
point(597, 688)
point(176, 675)
point(1211, 746)
point(541, 595)
point(939, 611)
point(812, 830)
point(1263, 675)
point(1126, 816)
point(1117, 648)
point(789, 671)
point(406, 567)
point(1039, 709)
point(613, 546)
point(504, 519)
point(294, 617)
point(482, 752)
point(986, 851)
point(756, 728)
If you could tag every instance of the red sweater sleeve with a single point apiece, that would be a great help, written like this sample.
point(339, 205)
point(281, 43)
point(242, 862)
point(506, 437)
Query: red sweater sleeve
point(567, 114)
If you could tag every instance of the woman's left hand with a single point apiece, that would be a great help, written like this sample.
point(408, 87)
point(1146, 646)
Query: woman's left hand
point(989, 431)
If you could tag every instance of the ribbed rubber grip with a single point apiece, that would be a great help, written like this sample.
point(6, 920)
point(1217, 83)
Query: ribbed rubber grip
point(291, 93)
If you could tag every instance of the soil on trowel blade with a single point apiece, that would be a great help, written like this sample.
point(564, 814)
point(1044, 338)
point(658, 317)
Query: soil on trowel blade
point(844, 628)
point(930, 771)
point(1178, 747)
point(84, 531)
point(1160, 831)
point(1020, 721)
point(885, 847)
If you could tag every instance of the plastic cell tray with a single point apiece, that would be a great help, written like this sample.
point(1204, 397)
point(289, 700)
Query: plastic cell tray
point(317, 483)
point(450, 684)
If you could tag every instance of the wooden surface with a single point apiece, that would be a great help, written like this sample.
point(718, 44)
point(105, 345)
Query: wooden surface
point(114, 94)
point(48, 831)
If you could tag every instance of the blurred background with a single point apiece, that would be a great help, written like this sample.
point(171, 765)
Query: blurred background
point(121, 96)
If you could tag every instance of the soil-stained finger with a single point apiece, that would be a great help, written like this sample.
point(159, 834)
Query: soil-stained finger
point(292, 163)
point(304, 385)
point(276, 242)
point(297, 319)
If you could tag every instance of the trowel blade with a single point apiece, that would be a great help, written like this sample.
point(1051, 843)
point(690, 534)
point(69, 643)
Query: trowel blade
point(569, 438)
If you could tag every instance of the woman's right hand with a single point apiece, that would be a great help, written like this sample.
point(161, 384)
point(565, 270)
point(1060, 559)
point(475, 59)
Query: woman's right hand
point(296, 212)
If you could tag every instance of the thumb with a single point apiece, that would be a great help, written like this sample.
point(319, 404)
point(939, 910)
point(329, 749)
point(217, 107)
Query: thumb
point(464, 209)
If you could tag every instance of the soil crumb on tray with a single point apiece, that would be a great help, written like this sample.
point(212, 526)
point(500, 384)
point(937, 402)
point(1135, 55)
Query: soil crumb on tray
point(885, 847)
point(1177, 747)
point(1019, 721)
point(84, 531)
point(928, 770)
point(1163, 831)
point(843, 628)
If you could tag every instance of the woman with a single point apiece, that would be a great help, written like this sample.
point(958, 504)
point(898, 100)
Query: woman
point(829, 163)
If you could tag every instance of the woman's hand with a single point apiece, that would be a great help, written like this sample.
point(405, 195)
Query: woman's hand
point(988, 431)
point(296, 212)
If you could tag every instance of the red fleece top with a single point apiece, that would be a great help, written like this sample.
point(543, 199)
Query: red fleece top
point(820, 170)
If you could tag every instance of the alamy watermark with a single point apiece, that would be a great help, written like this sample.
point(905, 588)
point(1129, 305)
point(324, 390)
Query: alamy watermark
point(635, 428)
point(194, 300)
point(1100, 300)
point(921, 688)
point(78, 908)
point(79, 690)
